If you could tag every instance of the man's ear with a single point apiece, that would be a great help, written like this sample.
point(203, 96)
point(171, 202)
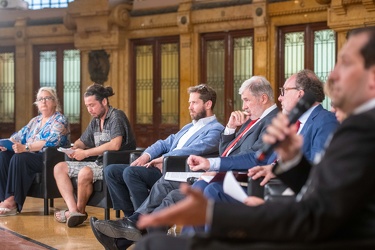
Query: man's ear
point(301, 93)
point(208, 104)
point(264, 98)
point(105, 102)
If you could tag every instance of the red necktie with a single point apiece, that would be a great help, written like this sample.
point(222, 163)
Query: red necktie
point(298, 124)
point(234, 142)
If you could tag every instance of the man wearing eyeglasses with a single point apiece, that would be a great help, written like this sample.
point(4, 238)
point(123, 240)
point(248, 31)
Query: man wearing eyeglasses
point(317, 123)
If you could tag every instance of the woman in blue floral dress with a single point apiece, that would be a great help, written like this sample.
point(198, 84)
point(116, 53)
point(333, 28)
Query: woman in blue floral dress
point(19, 166)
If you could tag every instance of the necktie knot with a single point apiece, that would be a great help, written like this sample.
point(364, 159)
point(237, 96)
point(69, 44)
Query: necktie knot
point(298, 124)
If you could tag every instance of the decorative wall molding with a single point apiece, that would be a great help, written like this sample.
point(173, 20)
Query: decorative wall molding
point(369, 5)
point(297, 12)
point(226, 19)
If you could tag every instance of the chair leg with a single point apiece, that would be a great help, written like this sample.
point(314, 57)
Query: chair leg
point(117, 213)
point(46, 208)
point(51, 203)
point(106, 214)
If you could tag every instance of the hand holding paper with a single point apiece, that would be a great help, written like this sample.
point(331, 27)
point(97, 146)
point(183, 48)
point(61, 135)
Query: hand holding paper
point(67, 151)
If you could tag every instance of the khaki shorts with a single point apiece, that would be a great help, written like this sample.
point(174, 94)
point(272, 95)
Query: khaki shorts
point(75, 166)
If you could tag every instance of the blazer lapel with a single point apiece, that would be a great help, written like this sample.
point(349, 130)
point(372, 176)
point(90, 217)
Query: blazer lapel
point(311, 118)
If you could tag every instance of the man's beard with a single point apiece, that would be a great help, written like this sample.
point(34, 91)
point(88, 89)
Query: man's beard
point(200, 115)
point(102, 113)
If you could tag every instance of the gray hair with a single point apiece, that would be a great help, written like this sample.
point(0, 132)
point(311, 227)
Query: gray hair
point(258, 85)
point(53, 93)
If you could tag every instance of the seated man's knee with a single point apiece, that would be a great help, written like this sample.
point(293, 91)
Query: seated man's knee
point(113, 170)
point(213, 190)
point(201, 185)
point(60, 168)
point(130, 172)
point(85, 175)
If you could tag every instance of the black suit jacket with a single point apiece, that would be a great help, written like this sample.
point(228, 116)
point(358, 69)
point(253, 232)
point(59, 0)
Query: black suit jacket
point(337, 200)
point(252, 140)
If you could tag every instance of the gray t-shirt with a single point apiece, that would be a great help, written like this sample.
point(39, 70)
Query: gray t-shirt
point(115, 124)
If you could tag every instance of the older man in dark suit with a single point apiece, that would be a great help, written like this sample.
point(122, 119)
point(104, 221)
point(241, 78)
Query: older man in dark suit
point(336, 203)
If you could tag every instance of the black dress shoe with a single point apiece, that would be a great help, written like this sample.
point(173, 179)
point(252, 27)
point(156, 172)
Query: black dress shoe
point(108, 242)
point(124, 228)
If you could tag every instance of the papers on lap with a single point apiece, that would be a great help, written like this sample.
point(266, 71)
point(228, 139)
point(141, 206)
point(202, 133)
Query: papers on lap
point(232, 187)
point(6, 143)
point(181, 176)
point(67, 151)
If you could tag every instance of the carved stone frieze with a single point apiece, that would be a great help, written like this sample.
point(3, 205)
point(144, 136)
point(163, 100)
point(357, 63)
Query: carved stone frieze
point(297, 11)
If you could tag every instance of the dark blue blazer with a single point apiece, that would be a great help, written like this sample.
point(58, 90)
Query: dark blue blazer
point(320, 125)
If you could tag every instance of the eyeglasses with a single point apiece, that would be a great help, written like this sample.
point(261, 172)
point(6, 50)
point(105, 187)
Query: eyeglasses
point(283, 90)
point(47, 98)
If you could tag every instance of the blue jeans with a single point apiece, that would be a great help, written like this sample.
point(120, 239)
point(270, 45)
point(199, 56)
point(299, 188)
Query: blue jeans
point(129, 186)
point(120, 195)
point(140, 181)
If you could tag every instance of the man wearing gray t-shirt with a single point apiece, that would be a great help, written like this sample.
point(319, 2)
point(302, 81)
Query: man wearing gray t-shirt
point(108, 130)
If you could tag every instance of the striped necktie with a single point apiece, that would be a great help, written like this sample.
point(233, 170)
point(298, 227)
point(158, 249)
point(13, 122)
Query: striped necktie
point(234, 142)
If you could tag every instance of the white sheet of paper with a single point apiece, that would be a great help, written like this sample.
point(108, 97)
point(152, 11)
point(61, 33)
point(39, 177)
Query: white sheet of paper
point(181, 176)
point(207, 178)
point(233, 188)
point(67, 151)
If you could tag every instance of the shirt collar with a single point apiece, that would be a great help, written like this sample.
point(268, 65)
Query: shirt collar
point(204, 121)
point(365, 107)
point(307, 114)
point(110, 110)
point(267, 111)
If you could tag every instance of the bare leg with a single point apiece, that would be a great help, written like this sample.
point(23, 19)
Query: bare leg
point(85, 188)
point(65, 187)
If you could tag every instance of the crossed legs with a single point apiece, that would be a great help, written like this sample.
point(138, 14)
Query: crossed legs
point(84, 190)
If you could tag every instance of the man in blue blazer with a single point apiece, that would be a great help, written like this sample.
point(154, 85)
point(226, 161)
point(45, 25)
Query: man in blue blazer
point(199, 137)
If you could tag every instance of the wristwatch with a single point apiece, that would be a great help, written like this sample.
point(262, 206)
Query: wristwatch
point(27, 147)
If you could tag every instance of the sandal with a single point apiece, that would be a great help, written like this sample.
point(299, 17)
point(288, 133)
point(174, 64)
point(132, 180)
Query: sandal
point(62, 218)
point(8, 211)
point(76, 219)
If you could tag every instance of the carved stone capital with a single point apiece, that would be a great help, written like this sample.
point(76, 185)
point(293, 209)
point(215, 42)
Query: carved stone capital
point(120, 15)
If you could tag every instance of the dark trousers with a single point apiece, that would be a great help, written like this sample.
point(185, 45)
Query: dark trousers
point(158, 197)
point(213, 191)
point(120, 195)
point(5, 157)
point(22, 170)
point(129, 186)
